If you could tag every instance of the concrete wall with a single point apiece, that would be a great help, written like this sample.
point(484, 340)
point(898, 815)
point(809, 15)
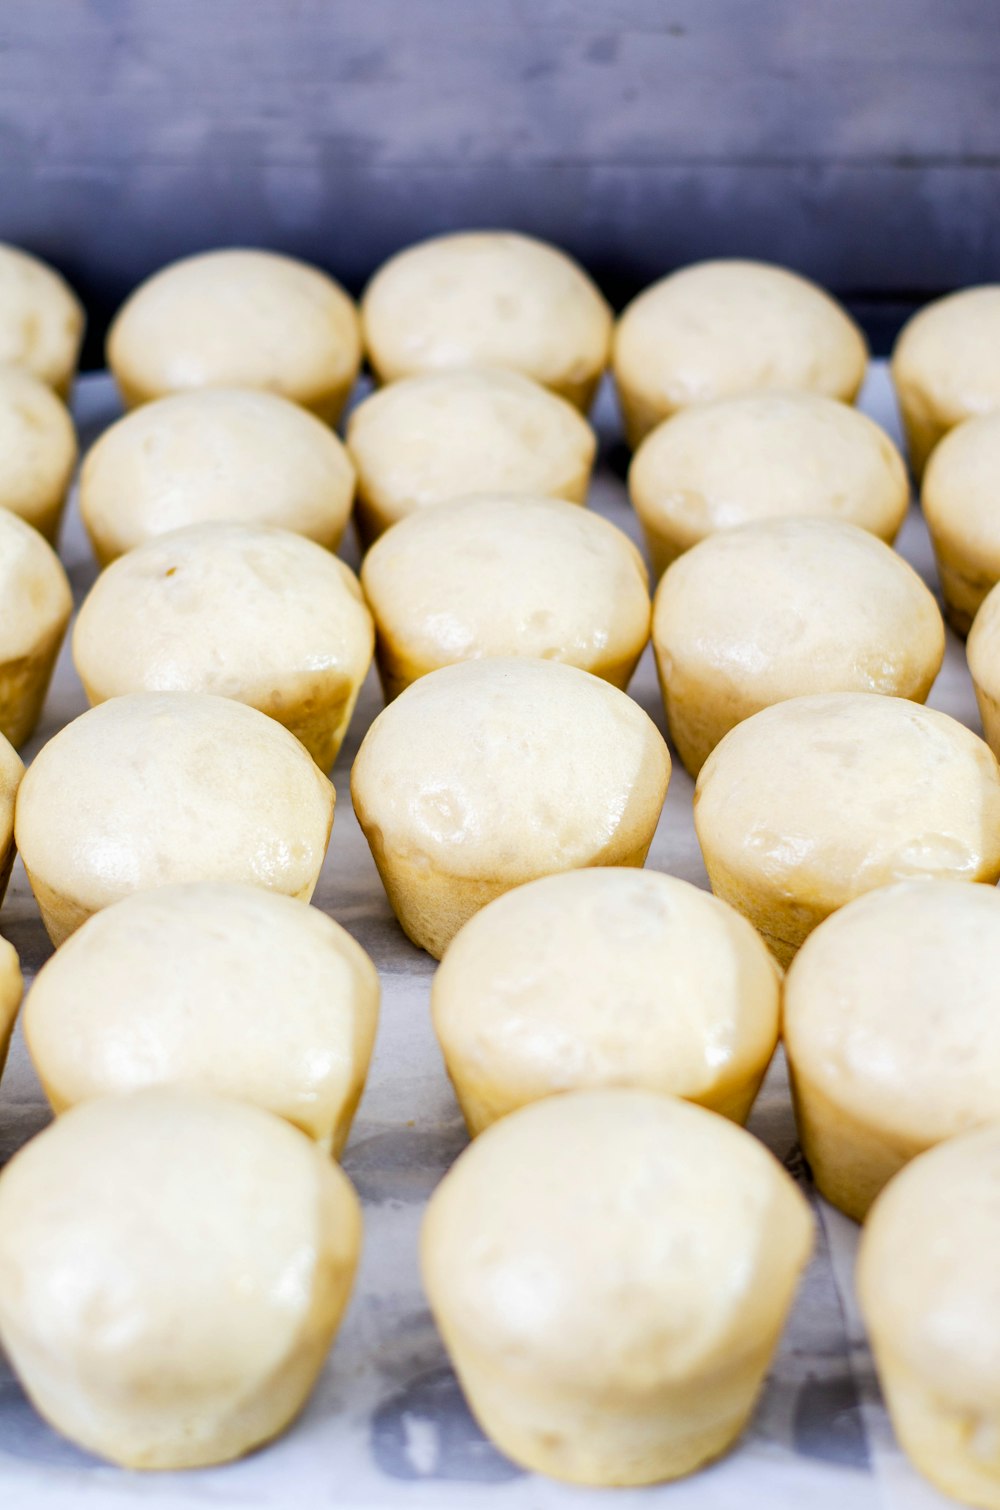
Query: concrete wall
point(858, 140)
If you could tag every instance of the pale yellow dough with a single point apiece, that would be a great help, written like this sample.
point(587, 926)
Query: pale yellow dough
point(946, 366)
point(41, 320)
point(425, 440)
point(716, 329)
point(217, 454)
point(37, 451)
point(35, 605)
point(984, 666)
point(781, 609)
point(154, 788)
point(764, 456)
point(493, 772)
point(927, 1283)
point(11, 988)
point(238, 318)
point(817, 799)
point(173, 1270)
point(605, 977)
point(488, 299)
point(11, 775)
point(959, 500)
point(610, 1271)
point(506, 575)
point(892, 1032)
point(242, 611)
point(220, 986)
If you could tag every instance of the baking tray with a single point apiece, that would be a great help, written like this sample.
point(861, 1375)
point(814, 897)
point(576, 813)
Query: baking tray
point(387, 1425)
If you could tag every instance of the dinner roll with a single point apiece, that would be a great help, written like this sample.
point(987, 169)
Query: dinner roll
point(41, 320)
point(927, 1282)
point(946, 366)
point(11, 773)
point(726, 327)
point(217, 454)
point(817, 799)
point(35, 605)
point(488, 299)
point(502, 575)
point(221, 986)
point(243, 611)
point(610, 1271)
point(238, 318)
point(425, 440)
point(892, 1032)
point(37, 450)
point(984, 665)
point(158, 787)
point(764, 456)
point(173, 1269)
point(959, 500)
point(490, 773)
point(11, 987)
point(605, 977)
point(780, 609)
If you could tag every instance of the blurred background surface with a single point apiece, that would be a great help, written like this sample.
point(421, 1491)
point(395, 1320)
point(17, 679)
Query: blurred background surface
point(854, 140)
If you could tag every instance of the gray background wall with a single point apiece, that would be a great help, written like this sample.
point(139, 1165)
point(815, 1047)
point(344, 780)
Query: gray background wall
point(857, 140)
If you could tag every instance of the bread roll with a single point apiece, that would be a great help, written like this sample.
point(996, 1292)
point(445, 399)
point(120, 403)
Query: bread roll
point(959, 500)
point(605, 977)
point(892, 1033)
point(818, 799)
point(225, 987)
point(238, 318)
point(37, 451)
point(764, 456)
point(490, 773)
point(154, 788)
point(720, 328)
point(11, 774)
point(501, 575)
point(223, 454)
point(610, 1271)
point(428, 439)
point(782, 609)
point(173, 1269)
point(11, 988)
point(946, 366)
point(35, 605)
point(488, 299)
point(927, 1284)
point(41, 320)
point(984, 666)
point(241, 611)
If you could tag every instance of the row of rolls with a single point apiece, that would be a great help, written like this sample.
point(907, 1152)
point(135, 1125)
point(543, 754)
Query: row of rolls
point(256, 319)
point(713, 331)
point(612, 1260)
